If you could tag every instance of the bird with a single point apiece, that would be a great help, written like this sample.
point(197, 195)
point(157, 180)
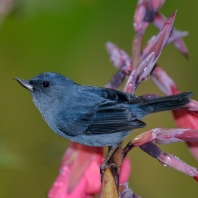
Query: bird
point(90, 115)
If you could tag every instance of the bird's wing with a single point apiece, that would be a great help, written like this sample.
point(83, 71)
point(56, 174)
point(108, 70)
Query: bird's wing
point(100, 111)
point(123, 97)
point(112, 118)
point(114, 115)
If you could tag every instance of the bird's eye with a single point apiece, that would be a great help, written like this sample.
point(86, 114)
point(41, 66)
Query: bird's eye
point(45, 84)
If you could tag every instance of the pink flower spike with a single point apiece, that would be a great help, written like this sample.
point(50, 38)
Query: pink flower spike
point(136, 49)
point(188, 135)
point(148, 46)
point(170, 160)
point(58, 189)
point(166, 136)
point(192, 105)
point(116, 80)
point(181, 46)
point(79, 174)
point(176, 38)
point(84, 157)
point(157, 4)
point(145, 137)
point(119, 77)
point(145, 68)
point(187, 119)
point(159, 21)
point(183, 117)
point(175, 35)
point(74, 176)
point(120, 60)
point(139, 24)
point(131, 82)
point(177, 164)
point(125, 170)
point(162, 37)
point(163, 81)
point(118, 56)
point(145, 13)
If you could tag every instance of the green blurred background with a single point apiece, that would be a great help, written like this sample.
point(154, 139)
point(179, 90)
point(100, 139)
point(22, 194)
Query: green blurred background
point(68, 37)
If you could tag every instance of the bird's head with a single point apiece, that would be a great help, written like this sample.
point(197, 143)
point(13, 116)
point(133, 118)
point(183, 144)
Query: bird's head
point(47, 88)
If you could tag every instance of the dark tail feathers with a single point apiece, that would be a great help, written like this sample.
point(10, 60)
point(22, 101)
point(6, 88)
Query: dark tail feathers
point(166, 103)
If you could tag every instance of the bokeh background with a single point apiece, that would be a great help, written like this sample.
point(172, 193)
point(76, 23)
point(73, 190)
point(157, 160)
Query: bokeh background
point(68, 37)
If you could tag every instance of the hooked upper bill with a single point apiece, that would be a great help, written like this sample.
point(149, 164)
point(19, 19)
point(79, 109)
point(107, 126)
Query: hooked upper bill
point(25, 83)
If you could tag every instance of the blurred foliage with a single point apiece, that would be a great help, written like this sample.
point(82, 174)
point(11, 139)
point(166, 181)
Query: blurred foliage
point(68, 37)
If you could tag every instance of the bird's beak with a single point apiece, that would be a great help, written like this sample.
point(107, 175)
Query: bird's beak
point(25, 84)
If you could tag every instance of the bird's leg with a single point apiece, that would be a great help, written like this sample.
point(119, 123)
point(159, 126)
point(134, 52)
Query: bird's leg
point(108, 163)
point(105, 163)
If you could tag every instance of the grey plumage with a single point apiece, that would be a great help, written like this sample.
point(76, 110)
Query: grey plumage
point(90, 115)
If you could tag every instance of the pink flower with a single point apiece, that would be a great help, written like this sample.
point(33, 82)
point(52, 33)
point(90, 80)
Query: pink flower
point(187, 119)
point(183, 117)
point(79, 174)
point(175, 35)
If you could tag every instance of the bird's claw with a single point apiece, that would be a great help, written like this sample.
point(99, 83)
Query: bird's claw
point(113, 168)
point(105, 165)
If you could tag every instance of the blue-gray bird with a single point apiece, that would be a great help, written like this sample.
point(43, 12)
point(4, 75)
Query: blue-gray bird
point(90, 115)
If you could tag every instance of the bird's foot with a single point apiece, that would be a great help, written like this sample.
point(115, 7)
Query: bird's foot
point(105, 165)
point(113, 168)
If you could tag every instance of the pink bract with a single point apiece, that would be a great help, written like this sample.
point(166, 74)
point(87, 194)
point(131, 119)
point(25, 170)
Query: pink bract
point(79, 173)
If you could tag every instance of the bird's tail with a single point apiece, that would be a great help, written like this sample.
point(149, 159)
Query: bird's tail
point(165, 103)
